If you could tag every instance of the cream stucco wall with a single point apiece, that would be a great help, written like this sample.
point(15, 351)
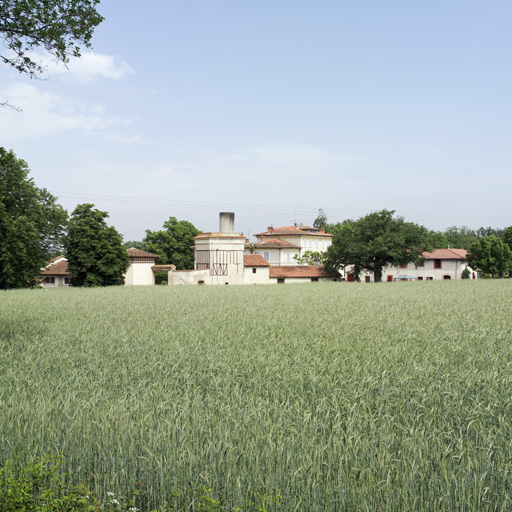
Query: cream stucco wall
point(59, 281)
point(258, 277)
point(451, 268)
point(140, 274)
point(181, 277)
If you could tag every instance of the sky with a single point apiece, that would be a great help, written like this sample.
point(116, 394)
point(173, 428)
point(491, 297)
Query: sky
point(273, 110)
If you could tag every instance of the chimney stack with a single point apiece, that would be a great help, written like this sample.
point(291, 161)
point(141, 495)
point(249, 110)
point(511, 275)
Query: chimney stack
point(227, 222)
point(270, 229)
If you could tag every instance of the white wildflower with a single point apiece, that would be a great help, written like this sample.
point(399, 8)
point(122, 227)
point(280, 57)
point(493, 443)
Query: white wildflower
point(110, 494)
point(115, 502)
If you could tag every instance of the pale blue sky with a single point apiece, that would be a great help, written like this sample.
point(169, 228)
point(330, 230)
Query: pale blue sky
point(273, 109)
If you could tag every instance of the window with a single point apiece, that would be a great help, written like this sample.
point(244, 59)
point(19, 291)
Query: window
point(254, 271)
point(402, 266)
point(67, 280)
point(366, 279)
point(311, 243)
point(49, 280)
point(317, 243)
point(430, 278)
point(200, 282)
point(437, 264)
point(280, 280)
point(389, 278)
point(266, 255)
point(288, 257)
point(420, 278)
point(314, 279)
point(421, 264)
point(257, 252)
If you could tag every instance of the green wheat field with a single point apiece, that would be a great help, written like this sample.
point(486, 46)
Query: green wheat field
point(335, 396)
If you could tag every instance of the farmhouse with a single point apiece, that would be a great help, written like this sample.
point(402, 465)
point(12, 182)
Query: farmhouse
point(439, 264)
point(224, 257)
point(306, 238)
point(140, 272)
point(56, 273)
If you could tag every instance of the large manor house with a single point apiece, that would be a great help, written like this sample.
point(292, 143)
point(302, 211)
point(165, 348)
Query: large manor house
point(227, 257)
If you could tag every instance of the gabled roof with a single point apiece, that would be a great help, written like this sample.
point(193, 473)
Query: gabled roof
point(299, 271)
point(292, 230)
point(275, 244)
point(255, 260)
point(56, 269)
point(137, 253)
point(446, 254)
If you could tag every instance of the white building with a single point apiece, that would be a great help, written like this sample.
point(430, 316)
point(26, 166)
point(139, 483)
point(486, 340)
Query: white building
point(438, 264)
point(276, 252)
point(307, 238)
point(55, 273)
point(140, 271)
point(219, 257)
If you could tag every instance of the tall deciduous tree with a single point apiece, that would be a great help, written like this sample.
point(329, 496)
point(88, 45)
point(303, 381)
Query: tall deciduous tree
point(95, 252)
point(490, 255)
point(507, 236)
point(59, 26)
point(375, 241)
point(321, 221)
point(31, 224)
point(173, 244)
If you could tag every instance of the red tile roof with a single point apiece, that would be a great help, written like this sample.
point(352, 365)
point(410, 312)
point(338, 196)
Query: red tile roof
point(56, 269)
point(446, 254)
point(137, 253)
point(292, 230)
point(299, 271)
point(255, 260)
point(275, 244)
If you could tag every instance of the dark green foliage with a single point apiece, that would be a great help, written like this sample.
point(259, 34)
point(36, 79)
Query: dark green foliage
point(321, 221)
point(38, 486)
point(173, 244)
point(31, 224)
point(490, 255)
point(507, 237)
point(132, 243)
point(95, 252)
point(59, 26)
point(375, 241)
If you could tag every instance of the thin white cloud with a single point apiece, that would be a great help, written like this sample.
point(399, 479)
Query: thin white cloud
point(86, 68)
point(46, 113)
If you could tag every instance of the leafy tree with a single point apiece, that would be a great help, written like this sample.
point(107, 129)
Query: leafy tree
point(173, 244)
point(95, 252)
point(490, 255)
point(438, 240)
point(31, 224)
point(60, 26)
point(311, 258)
point(481, 232)
point(460, 238)
point(507, 236)
point(321, 221)
point(375, 241)
point(132, 243)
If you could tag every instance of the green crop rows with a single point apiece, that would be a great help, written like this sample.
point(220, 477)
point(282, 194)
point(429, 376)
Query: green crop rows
point(333, 396)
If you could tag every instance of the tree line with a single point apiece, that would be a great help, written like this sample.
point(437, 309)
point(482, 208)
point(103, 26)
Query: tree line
point(379, 239)
point(34, 228)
